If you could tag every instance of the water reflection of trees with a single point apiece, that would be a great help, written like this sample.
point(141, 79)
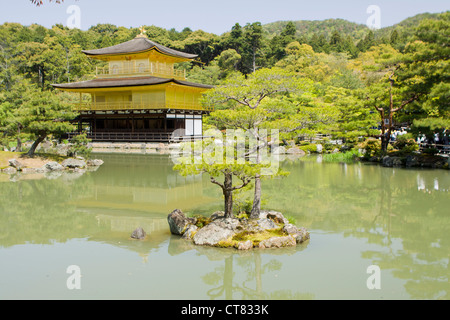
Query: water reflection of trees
point(403, 211)
point(243, 272)
point(42, 211)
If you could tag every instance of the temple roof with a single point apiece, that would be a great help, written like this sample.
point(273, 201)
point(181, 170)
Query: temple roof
point(126, 82)
point(137, 45)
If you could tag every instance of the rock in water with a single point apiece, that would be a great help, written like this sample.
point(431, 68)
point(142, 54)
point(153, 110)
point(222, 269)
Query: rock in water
point(219, 230)
point(190, 232)
point(290, 229)
point(178, 222)
point(53, 166)
point(245, 245)
point(73, 163)
point(94, 163)
point(139, 234)
point(302, 235)
point(15, 164)
point(278, 242)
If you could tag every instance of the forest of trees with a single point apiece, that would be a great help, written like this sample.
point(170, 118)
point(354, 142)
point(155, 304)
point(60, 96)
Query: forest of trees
point(364, 76)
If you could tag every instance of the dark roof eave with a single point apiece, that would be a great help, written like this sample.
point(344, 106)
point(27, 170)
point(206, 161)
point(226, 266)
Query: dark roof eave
point(138, 45)
point(118, 83)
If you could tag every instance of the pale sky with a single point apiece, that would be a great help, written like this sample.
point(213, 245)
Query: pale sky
point(211, 16)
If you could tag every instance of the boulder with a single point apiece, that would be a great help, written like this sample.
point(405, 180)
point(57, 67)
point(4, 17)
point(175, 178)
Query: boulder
point(301, 236)
point(73, 163)
point(212, 234)
point(319, 148)
point(245, 245)
point(178, 222)
point(397, 162)
point(53, 166)
point(290, 229)
point(266, 224)
point(295, 150)
point(279, 150)
point(94, 163)
point(190, 232)
point(217, 214)
point(15, 164)
point(45, 146)
point(62, 150)
point(139, 234)
point(277, 217)
point(218, 230)
point(31, 170)
point(9, 170)
point(278, 242)
point(411, 161)
point(387, 161)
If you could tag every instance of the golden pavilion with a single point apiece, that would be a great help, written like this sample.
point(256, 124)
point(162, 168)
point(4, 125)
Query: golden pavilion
point(139, 96)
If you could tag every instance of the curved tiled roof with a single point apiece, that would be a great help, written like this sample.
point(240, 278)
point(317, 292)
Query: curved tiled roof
point(126, 82)
point(138, 44)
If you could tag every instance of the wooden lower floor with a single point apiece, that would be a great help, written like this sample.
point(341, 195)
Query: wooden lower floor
point(139, 126)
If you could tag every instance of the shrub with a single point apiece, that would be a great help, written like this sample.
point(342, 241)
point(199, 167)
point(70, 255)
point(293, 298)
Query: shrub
point(406, 144)
point(342, 157)
point(430, 151)
point(80, 146)
point(372, 147)
point(311, 148)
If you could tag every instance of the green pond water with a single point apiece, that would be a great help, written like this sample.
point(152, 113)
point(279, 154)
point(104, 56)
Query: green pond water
point(358, 215)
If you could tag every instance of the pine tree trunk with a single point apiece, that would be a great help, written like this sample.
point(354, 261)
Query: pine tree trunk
point(32, 150)
point(19, 145)
point(256, 209)
point(19, 141)
point(228, 195)
point(254, 60)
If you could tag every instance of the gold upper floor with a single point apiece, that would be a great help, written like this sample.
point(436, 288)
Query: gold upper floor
point(139, 68)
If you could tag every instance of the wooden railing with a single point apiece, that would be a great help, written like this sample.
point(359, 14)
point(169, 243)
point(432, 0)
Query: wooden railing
point(156, 70)
point(441, 148)
point(127, 136)
point(130, 105)
point(135, 137)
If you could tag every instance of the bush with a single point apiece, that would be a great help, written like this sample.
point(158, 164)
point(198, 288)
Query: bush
point(80, 147)
point(406, 144)
point(342, 157)
point(430, 151)
point(311, 148)
point(372, 147)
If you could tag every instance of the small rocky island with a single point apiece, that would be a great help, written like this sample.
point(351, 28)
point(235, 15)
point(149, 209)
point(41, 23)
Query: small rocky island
point(270, 230)
point(38, 165)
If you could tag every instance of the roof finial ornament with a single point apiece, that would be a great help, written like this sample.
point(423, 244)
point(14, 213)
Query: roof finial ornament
point(143, 32)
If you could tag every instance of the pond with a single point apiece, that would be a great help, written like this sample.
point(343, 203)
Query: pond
point(359, 215)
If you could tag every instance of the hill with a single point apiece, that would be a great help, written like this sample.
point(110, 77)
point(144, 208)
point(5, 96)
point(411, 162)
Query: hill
point(307, 28)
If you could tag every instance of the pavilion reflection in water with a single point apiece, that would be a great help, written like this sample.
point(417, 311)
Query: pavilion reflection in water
point(127, 184)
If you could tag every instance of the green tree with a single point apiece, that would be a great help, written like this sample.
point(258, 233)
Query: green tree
point(253, 40)
point(214, 162)
point(201, 43)
point(250, 93)
point(425, 71)
point(229, 60)
point(42, 114)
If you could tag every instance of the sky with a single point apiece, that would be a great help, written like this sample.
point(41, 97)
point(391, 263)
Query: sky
point(209, 15)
